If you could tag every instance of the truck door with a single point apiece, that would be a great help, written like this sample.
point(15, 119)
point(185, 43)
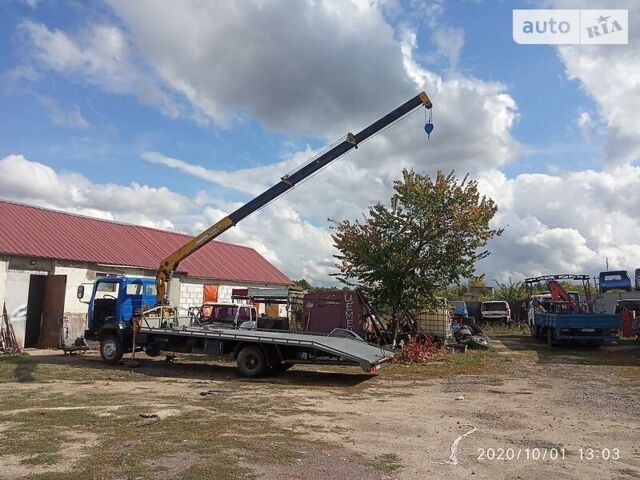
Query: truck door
point(103, 304)
point(132, 300)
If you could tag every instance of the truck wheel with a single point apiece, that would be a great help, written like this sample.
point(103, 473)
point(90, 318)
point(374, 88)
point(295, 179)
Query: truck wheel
point(152, 350)
point(111, 349)
point(251, 362)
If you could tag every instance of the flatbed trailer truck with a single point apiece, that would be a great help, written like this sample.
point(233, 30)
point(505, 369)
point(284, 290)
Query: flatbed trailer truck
point(121, 320)
point(115, 306)
point(559, 317)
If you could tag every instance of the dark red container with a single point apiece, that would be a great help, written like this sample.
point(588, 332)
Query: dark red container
point(326, 310)
point(626, 319)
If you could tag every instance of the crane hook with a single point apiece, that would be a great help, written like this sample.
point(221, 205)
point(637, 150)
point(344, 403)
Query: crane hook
point(428, 126)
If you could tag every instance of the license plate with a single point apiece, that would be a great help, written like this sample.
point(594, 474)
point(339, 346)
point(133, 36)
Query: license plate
point(588, 329)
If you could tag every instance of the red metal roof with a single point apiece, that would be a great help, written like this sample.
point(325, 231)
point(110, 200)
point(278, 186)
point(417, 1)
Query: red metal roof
point(38, 232)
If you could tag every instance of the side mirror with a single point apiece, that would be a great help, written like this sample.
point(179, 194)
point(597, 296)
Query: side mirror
point(80, 292)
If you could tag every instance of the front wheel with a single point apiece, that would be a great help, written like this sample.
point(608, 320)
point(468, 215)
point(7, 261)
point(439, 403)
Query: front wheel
point(111, 349)
point(252, 362)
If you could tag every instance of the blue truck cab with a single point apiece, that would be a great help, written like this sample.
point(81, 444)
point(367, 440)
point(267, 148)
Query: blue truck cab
point(114, 301)
point(614, 280)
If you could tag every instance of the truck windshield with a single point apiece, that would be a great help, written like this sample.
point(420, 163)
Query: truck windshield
point(107, 290)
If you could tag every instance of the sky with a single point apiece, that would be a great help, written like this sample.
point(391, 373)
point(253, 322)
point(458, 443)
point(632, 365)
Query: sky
point(173, 114)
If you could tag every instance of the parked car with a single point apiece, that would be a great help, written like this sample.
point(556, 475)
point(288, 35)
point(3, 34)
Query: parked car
point(614, 280)
point(495, 311)
point(637, 279)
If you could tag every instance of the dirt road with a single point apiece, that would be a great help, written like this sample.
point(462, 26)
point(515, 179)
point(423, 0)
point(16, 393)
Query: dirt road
point(522, 411)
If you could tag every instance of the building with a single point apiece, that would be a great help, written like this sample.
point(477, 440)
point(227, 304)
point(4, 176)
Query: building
point(45, 255)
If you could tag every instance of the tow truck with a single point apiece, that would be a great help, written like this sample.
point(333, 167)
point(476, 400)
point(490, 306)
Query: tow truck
point(559, 316)
point(132, 314)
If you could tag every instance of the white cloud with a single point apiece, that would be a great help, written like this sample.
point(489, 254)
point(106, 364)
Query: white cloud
point(35, 183)
point(610, 75)
point(326, 66)
point(585, 125)
point(66, 118)
point(449, 42)
point(347, 187)
point(564, 223)
point(99, 54)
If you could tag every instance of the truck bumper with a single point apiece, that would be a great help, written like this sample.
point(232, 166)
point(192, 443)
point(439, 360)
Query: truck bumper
point(589, 338)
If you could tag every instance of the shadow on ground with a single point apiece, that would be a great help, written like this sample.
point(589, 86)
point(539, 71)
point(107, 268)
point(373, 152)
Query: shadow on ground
point(625, 354)
point(186, 369)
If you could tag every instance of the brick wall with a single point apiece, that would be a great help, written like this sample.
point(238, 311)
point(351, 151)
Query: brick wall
point(191, 295)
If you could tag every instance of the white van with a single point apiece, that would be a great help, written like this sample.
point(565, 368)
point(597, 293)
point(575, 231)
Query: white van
point(495, 311)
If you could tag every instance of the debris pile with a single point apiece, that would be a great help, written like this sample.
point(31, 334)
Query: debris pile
point(421, 351)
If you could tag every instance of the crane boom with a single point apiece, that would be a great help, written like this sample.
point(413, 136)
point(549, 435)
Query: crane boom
point(170, 263)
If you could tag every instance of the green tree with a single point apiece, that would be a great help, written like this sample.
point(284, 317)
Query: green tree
point(511, 292)
point(429, 237)
point(302, 284)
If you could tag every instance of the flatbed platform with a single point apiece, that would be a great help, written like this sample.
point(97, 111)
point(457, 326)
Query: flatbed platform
point(344, 350)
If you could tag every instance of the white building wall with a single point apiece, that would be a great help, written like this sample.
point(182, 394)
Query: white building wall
point(191, 294)
point(76, 275)
point(226, 291)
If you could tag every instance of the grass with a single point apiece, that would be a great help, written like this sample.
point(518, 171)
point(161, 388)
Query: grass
point(48, 458)
point(472, 362)
point(387, 463)
point(497, 330)
point(50, 430)
point(126, 443)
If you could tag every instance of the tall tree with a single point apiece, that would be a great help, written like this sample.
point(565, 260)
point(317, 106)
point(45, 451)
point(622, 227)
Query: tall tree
point(429, 237)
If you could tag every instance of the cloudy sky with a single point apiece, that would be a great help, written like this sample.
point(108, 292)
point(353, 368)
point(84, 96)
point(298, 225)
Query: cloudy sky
point(172, 114)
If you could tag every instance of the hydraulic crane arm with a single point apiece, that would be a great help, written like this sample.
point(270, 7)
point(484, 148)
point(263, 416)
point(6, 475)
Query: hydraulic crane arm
point(170, 264)
point(558, 293)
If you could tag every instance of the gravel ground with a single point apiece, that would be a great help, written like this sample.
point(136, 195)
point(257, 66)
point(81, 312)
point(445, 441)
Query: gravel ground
point(531, 413)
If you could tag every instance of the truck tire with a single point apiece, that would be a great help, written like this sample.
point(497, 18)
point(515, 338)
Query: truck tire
point(111, 349)
point(152, 350)
point(252, 362)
